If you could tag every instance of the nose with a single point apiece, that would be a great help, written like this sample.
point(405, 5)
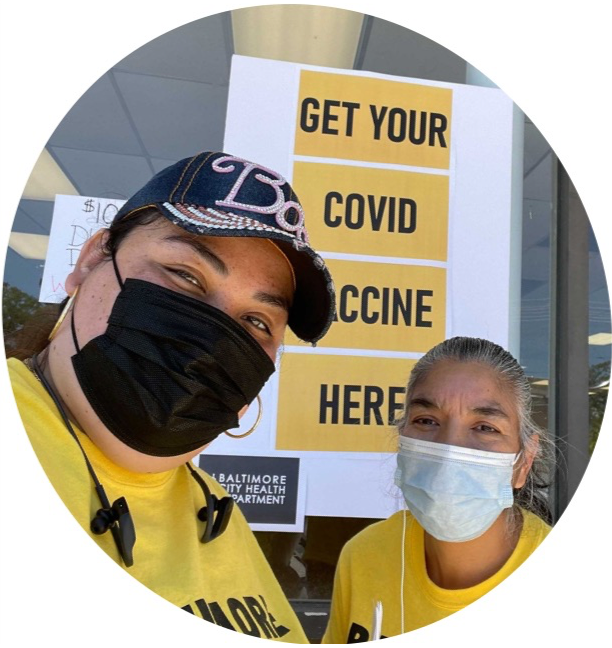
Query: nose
point(450, 433)
point(221, 300)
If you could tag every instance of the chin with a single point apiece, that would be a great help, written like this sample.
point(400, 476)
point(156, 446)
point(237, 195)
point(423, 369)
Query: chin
point(139, 462)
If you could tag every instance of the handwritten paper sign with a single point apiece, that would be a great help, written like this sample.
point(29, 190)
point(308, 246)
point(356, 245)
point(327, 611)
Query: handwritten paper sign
point(75, 219)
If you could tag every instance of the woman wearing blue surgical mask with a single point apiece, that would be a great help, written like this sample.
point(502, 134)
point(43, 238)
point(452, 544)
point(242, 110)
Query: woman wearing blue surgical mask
point(472, 467)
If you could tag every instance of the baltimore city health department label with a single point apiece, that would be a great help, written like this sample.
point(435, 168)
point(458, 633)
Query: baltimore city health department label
point(265, 488)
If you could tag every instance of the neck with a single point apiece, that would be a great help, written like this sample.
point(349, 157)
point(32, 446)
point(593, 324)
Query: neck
point(43, 363)
point(457, 565)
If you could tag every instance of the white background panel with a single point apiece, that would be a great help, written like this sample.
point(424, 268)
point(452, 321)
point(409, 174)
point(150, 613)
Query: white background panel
point(57, 586)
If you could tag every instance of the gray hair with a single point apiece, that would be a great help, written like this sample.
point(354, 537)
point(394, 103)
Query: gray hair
point(532, 495)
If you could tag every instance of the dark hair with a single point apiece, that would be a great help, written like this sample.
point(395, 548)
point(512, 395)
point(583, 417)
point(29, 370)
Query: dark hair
point(33, 336)
point(532, 496)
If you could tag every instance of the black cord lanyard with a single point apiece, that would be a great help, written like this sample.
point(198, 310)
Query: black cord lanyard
point(116, 517)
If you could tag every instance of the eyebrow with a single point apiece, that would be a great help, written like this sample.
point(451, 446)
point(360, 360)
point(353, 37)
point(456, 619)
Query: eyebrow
point(273, 300)
point(487, 409)
point(491, 409)
point(423, 402)
point(201, 249)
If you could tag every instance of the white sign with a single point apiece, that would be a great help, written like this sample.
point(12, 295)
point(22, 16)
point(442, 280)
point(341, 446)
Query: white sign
point(75, 219)
point(406, 186)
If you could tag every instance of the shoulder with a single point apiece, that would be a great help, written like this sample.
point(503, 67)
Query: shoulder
point(374, 538)
point(24, 383)
point(534, 531)
point(34, 404)
point(18, 373)
point(534, 527)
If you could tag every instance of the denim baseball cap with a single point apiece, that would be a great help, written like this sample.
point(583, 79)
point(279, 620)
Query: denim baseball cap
point(218, 194)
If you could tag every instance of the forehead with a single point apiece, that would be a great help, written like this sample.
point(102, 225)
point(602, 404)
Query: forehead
point(472, 384)
point(240, 251)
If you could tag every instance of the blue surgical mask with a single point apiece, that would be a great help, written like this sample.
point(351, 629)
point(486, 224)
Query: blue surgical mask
point(455, 493)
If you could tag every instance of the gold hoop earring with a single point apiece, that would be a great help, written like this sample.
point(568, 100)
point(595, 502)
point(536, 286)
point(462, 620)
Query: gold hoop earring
point(246, 434)
point(65, 312)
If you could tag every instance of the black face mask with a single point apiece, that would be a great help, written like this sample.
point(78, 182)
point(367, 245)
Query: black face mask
point(171, 373)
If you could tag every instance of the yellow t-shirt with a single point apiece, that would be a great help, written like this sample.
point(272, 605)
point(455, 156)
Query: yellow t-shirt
point(227, 581)
point(369, 570)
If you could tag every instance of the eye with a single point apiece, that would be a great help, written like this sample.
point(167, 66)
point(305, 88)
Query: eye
point(257, 323)
point(186, 276)
point(487, 429)
point(424, 420)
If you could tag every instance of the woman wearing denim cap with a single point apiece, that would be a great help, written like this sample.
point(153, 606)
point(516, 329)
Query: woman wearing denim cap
point(172, 327)
point(471, 465)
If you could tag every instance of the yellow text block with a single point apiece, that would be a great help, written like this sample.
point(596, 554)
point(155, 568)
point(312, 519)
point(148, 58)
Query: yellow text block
point(376, 120)
point(386, 306)
point(340, 403)
point(379, 212)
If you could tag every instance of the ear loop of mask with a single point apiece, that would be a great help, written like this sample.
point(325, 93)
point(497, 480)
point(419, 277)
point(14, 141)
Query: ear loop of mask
point(72, 325)
point(116, 268)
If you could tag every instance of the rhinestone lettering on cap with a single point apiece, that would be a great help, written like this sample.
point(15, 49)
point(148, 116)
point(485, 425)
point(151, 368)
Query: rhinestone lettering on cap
point(278, 208)
point(213, 219)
